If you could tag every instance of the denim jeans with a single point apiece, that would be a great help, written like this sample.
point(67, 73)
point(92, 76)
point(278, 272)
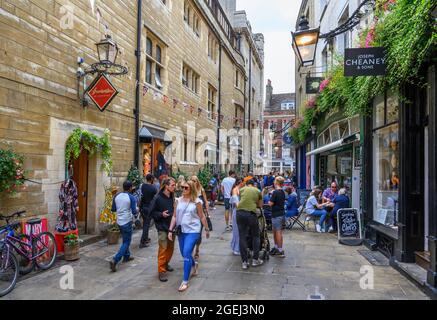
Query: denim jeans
point(322, 214)
point(147, 217)
point(187, 241)
point(126, 234)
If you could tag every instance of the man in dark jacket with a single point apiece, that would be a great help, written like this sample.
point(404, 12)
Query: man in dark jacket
point(148, 191)
point(341, 201)
point(161, 209)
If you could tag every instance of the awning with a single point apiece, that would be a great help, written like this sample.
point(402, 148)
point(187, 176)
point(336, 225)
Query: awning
point(334, 145)
point(148, 133)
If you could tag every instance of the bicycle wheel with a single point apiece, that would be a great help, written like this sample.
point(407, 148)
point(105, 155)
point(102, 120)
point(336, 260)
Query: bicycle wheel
point(8, 272)
point(25, 265)
point(44, 249)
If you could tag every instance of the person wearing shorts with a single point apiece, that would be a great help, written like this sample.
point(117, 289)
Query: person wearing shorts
point(277, 203)
point(226, 188)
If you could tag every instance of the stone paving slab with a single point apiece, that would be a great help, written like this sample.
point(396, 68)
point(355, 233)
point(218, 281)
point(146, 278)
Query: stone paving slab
point(314, 264)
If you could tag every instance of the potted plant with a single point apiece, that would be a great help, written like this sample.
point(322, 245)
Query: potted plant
point(71, 247)
point(113, 234)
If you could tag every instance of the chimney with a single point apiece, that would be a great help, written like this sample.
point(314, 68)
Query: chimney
point(269, 93)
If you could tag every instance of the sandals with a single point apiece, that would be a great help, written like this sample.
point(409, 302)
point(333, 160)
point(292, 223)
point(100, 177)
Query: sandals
point(196, 269)
point(183, 287)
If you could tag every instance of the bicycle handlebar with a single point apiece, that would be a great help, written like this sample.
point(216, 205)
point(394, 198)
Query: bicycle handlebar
point(18, 214)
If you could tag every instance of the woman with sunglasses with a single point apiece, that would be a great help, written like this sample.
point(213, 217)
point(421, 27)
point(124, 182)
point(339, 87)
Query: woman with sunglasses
point(189, 216)
point(201, 194)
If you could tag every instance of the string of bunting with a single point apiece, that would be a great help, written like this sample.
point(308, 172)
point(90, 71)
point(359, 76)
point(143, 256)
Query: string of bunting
point(156, 95)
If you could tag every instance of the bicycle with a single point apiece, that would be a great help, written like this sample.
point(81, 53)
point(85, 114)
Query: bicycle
point(39, 250)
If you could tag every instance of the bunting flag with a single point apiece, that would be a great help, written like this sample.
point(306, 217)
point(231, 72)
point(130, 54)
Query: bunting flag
point(175, 103)
point(222, 118)
point(199, 111)
point(165, 99)
point(191, 109)
point(145, 89)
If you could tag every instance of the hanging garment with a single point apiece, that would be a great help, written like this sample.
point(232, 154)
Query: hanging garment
point(68, 202)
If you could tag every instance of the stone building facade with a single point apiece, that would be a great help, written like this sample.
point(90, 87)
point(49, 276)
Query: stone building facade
point(188, 63)
point(278, 116)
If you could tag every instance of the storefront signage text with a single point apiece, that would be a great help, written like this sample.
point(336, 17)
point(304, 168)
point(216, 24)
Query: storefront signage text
point(101, 92)
point(364, 62)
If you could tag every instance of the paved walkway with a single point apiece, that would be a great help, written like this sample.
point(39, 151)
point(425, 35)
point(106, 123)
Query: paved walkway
point(315, 264)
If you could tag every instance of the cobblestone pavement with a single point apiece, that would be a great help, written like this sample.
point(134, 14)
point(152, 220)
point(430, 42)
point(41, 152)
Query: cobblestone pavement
point(315, 264)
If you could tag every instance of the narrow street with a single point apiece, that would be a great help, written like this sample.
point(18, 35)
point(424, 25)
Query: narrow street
point(314, 264)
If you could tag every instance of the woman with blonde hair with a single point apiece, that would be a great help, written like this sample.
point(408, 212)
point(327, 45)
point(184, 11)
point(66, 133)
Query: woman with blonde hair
point(178, 191)
point(188, 218)
point(201, 194)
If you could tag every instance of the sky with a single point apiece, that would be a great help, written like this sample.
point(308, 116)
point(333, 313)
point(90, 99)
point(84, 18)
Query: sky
point(275, 19)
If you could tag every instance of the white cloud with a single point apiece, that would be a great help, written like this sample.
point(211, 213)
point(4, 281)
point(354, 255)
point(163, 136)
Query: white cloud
point(275, 19)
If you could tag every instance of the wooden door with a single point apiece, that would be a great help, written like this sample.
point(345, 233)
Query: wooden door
point(80, 176)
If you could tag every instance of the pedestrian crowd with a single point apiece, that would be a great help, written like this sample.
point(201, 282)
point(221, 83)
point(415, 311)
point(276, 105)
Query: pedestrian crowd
point(253, 205)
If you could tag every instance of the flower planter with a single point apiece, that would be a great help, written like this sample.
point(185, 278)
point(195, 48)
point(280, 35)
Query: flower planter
point(113, 237)
point(71, 252)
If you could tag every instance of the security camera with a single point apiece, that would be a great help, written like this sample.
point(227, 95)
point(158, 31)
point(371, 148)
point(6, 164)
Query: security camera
point(80, 72)
point(79, 60)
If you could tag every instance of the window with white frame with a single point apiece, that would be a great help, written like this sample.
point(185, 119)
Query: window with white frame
point(190, 78)
point(155, 53)
point(212, 96)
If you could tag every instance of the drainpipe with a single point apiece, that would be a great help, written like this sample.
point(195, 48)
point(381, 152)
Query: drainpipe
point(250, 107)
point(219, 112)
point(137, 91)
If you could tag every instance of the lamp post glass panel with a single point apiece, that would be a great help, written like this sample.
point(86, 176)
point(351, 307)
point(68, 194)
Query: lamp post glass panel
point(305, 42)
point(107, 50)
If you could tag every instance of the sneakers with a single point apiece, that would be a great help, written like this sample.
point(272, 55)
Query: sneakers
point(113, 265)
point(162, 277)
point(228, 228)
point(331, 230)
point(128, 259)
point(256, 263)
point(274, 251)
point(318, 228)
point(236, 253)
point(169, 269)
point(245, 266)
point(281, 254)
point(143, 245)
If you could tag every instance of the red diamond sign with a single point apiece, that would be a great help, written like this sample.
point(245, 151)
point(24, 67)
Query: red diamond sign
point(101, 91)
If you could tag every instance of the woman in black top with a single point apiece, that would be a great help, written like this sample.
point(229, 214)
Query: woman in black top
point(277, 203)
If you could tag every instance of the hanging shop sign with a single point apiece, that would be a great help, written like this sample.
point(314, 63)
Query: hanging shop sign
point(364, 62)
point(313, 84)
point(101, 92)
point(349, 227)
point(287, 139)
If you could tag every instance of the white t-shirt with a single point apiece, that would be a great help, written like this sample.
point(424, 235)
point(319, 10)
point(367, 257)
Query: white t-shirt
point(227, 184)
point(187, 217)
point(311, 203)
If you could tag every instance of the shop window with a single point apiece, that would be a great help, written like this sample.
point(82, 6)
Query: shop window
point(386, 175)
point(335, 132)
point(378, 112)
point(386, 161)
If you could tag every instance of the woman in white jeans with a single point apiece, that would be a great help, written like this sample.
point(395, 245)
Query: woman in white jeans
point(190, 216)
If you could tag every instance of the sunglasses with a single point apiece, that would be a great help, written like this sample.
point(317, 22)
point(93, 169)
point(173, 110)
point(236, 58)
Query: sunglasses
point(185, 187)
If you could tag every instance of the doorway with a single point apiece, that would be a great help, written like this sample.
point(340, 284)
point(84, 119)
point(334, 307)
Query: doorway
point(80, 176)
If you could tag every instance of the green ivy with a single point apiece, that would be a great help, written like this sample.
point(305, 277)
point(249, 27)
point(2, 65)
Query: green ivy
point(11, 171)
point(83, 139)
point(407, 31)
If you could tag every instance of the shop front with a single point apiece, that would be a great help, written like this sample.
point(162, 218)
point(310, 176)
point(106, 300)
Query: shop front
point(153, 151)
point(400, 176)
point(337, 157)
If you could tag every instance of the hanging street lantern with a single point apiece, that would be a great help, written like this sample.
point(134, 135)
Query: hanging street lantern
point(305, 42)
point(107, 50)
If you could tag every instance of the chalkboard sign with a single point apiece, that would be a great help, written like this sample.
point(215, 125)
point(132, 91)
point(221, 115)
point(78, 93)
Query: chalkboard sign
point(349, 227)
point(302, 195)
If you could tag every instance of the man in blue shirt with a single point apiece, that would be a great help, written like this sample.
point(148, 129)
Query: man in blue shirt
point(124, 204)
point(340, 201)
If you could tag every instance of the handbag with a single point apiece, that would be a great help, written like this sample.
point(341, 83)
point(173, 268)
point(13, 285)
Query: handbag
point(208, 221)
point(178, 230)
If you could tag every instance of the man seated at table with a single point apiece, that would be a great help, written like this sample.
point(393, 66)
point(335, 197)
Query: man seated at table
point(330, 193)
point(340, 201)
